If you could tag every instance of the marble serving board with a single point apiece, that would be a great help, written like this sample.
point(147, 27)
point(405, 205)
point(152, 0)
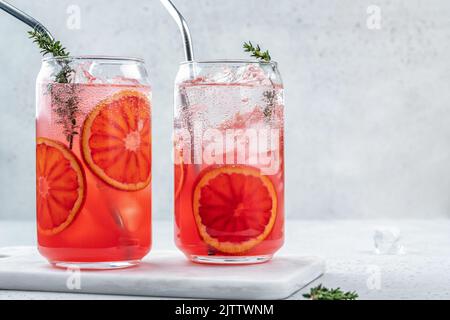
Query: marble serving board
point(162, 274)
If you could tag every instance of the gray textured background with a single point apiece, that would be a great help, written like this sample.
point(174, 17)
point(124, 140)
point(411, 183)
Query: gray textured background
point(368, 117)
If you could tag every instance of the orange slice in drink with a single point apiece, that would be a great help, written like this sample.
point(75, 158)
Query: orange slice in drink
point(234, 207)
point(115, 141)
point(60, 186)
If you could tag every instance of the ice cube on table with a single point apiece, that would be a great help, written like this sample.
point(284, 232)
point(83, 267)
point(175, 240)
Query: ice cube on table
point(387, 240)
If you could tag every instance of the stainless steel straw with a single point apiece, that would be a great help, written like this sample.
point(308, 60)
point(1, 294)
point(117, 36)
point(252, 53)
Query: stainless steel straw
point(189, 55)
point(25, 18)
point(184, 29)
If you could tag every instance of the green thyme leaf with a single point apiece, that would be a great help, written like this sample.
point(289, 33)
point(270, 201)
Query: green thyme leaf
point(65, 101)
point(256, 52)
point(47, 44)
point(322, 293)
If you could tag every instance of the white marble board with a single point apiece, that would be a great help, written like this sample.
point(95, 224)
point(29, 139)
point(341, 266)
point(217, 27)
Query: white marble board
point(163, 274)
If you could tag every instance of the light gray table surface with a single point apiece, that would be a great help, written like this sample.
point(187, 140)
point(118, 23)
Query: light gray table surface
point(422, 272)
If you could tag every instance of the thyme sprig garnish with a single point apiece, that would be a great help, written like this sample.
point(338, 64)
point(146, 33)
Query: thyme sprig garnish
point(53, 47)
point(322, 293)
point(270, 96)
point(256, 52)
point(47, 44)
point(65, 100)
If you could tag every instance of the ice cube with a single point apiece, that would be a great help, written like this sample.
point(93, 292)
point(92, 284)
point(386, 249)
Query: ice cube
point(227, 75)
point(246, 74)
point(252, 74)
point(387, 240)
point(124, 81)
point(84, 74)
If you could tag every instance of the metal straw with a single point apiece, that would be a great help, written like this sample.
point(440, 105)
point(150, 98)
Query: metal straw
point(184, 29)
point(25, 18)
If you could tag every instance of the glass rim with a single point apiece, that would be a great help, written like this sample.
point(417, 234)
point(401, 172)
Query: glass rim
point(94, 57)
point(230, 61)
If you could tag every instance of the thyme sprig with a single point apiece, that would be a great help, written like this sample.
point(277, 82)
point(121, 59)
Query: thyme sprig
point(65, 101)
point(322, 293)
point(47, 44)
point(270, 96)
point(53, 47)
point(256, 52)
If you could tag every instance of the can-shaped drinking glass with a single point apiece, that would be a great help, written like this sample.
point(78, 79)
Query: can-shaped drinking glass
point(93, 161)
point(229, 161)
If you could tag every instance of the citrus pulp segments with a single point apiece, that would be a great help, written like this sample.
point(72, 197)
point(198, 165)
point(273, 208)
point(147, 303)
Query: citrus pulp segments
point(235, 207)
point(60, 186)
point(115, 140)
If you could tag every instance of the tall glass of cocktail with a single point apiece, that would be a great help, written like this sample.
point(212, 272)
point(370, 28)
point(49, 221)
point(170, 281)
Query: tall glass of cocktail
point(229, 164)
point(93, 161)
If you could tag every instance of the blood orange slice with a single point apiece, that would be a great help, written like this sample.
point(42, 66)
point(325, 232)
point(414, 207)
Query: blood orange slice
point(60, 186)
point(115, 140)
point(234, 207)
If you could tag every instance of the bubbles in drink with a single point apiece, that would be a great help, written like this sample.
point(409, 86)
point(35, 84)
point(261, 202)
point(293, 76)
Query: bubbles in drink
point(229, 130)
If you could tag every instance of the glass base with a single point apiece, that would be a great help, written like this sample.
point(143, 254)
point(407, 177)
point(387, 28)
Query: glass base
point(230, 260)
point(105, 265)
